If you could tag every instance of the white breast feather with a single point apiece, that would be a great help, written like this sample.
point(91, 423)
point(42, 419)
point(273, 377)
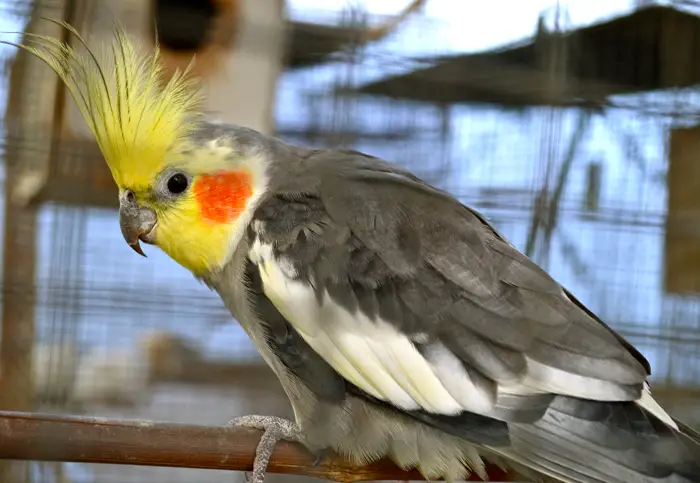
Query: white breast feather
point(383, 362)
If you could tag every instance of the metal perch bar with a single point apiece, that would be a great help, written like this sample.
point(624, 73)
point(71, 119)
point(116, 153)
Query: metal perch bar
point(45, 437)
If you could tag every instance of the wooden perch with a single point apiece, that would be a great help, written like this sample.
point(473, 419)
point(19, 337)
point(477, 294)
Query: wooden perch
point(32, 436)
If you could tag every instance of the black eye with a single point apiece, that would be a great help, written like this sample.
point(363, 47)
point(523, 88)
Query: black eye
point(177, 183)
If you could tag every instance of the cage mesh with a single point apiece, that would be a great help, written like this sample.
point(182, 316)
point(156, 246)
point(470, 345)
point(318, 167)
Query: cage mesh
point(574, 175)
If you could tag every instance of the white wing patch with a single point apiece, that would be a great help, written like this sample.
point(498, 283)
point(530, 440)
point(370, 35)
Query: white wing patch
point(385, 363)
point(543, 378)
point(373, 355)
point(648, 403)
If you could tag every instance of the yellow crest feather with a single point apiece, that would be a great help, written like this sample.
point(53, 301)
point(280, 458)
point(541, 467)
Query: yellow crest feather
point(136, 120)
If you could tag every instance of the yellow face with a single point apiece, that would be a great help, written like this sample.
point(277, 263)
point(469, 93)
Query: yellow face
point(195, 207)
point(191, 199)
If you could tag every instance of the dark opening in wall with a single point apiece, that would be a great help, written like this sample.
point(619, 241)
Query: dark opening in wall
point(184, 25)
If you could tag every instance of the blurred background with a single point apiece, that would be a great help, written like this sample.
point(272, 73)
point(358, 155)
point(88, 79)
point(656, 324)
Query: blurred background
point(572, 125)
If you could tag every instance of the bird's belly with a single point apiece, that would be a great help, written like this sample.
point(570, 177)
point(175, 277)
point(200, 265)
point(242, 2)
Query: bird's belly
point(364, 432)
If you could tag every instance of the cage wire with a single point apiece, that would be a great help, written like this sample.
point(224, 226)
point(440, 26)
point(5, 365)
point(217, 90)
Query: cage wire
point(574, 176)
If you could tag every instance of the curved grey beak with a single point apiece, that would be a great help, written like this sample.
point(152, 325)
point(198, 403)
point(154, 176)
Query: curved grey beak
point(136, 223)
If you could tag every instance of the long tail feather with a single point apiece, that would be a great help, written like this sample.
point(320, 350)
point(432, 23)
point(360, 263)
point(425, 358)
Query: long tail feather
point(581, 441)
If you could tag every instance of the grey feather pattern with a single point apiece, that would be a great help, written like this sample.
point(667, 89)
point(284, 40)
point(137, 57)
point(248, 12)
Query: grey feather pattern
point(379, 239)
point(382, 242)
point(295, 354)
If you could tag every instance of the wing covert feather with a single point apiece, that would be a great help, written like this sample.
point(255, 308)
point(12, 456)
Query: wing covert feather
point(392, 262)
point(379, 240)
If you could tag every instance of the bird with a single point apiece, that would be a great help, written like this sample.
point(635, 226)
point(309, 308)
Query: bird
point(399, 322)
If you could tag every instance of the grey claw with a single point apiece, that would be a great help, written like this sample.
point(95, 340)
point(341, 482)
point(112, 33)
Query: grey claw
point(275, 429)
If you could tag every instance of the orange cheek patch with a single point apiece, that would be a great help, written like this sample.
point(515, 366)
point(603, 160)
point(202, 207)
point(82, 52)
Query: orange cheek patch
point(222, 196)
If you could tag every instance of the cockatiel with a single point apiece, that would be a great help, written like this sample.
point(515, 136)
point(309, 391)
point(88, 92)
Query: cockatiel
point(399, 321)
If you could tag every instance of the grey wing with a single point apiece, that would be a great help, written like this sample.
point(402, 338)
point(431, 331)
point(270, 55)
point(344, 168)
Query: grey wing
point(380, 243)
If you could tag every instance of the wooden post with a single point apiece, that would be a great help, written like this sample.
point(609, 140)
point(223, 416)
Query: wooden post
point(16, 345)
point(30, 115)
point(682, 235)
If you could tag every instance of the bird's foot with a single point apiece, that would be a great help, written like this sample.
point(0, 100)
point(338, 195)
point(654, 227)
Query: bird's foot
point(275, 429)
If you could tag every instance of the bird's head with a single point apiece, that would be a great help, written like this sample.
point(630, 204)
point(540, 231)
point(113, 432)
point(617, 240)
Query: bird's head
point(187, 193)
